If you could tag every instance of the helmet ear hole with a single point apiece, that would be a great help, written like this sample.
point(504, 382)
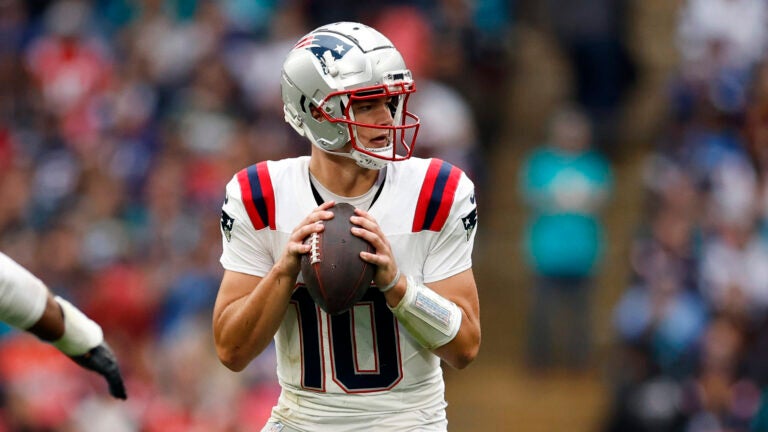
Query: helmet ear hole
point(316, 114)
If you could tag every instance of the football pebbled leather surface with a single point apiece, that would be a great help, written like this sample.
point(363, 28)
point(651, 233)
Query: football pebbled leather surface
point(334, 274)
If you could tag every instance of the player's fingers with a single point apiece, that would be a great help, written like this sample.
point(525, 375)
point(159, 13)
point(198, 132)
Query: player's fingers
point(379, 260)
point(116, 385)
point(318, 215)
point(374, 236)
point(365, 215)
point(102, 360)
point(368, 228)
point(371, 237)
point(386, 269)
point(309, 224)
point(326, 205)
point(364, 222)
point(369, 223)
point(302, 232)
point(382, 257)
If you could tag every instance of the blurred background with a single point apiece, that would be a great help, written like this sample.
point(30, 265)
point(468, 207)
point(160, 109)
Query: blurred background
point(620, 150)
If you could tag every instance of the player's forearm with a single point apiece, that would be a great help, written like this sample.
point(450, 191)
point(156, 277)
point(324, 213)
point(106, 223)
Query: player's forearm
point(26, 303)
point(462, 350)
point(443, 318)
point(23, 297)
point(50, 326)
point(247, 325)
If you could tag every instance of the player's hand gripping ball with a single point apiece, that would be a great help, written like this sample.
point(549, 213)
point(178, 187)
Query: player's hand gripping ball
point(333, 271)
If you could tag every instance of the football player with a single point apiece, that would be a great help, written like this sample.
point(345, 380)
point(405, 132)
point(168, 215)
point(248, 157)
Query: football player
point(345, 88)
point(27, 304)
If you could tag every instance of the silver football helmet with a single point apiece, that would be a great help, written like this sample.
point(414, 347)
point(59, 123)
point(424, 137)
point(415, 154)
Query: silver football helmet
point(336, 65)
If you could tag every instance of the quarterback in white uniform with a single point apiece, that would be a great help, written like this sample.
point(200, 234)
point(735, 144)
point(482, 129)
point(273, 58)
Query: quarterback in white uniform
point(376, 366)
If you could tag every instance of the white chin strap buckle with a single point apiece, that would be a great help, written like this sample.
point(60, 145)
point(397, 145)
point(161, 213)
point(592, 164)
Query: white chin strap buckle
point(371, 162)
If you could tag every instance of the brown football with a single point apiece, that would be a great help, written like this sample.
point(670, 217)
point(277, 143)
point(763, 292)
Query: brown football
point(334, 274)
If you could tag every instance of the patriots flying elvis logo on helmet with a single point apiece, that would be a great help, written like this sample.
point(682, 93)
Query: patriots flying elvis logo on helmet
point(327, 48)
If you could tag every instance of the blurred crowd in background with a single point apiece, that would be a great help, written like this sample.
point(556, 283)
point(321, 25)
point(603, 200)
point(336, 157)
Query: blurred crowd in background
point(121, 121)
point(693, 322)
point(120, 124)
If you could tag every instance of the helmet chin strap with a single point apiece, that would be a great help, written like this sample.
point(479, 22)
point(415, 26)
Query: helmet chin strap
point(368, 161)
point(363, 160)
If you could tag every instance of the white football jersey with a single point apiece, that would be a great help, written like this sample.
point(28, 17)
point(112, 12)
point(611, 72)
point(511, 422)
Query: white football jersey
point(359, 370)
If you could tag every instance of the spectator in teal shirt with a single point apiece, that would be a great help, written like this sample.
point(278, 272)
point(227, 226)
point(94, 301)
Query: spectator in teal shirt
point(565, 183)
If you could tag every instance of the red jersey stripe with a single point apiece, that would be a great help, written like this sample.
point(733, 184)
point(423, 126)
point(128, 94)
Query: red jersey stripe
point(258, 195)
point(268, 194)
point(436, 196)
point(446, 199)
point(424, 195)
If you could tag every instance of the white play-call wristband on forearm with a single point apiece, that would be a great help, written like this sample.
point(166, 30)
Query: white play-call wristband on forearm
point(430, 318)
point(81, 333)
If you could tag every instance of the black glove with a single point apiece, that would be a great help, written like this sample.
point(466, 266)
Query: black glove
point(102, 360)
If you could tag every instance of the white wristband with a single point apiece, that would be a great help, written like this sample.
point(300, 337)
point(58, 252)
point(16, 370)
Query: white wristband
point(430, 318)
point(391, 284)
point(81, 333)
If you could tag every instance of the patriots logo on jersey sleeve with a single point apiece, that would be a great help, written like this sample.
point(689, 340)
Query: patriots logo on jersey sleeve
point(227, 223)
point(327, 48)
point(470, 221)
